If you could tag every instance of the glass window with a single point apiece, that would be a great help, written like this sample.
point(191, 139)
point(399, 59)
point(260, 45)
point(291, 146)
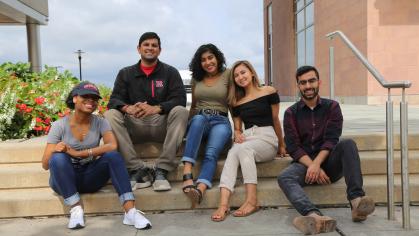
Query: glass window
point(309, 14)
point(300, 4)
point(310, 46)
point(304, 30)
point(300, 49)
point(300, 21)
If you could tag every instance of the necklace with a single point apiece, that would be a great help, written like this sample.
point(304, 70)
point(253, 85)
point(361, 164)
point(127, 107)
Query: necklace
point(81, 130)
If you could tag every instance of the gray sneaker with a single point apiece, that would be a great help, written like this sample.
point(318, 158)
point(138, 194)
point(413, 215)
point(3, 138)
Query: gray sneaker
point(160, 181)
point(140, 178)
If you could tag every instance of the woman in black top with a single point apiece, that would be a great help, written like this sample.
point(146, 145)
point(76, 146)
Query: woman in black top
point(257, 107)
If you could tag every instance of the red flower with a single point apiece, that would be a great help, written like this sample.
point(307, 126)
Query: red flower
point(47, 121)
point(38, 120)
point(28, 110)
point(23, 106)
point(39, 100)
point(37, 128)
point(46, 129)
point(18, 106)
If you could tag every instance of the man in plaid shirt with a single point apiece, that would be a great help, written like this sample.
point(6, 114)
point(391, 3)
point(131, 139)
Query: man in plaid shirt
point(312, 129)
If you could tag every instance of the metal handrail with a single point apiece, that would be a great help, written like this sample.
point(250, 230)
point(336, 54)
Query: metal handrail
point(389, 129)
point(368, 65)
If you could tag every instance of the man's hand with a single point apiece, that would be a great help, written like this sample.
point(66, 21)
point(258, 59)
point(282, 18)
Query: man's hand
point(313, 172)
point(145, 109)
point(323, 178)
point(131, 109)
point(60, 147)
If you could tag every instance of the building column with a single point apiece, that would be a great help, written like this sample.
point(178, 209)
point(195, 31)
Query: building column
point(34, 46)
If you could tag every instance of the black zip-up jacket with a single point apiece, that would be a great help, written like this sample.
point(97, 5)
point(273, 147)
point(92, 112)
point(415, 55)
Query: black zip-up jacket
point(162, 87)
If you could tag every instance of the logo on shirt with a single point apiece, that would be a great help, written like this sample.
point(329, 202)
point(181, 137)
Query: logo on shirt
point(159, 83)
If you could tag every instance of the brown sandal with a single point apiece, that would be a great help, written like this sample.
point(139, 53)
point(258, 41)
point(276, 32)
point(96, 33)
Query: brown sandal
point(241, 213)
point(220, 217)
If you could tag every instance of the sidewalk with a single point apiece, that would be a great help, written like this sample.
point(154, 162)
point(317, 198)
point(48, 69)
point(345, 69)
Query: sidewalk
point(198, 223)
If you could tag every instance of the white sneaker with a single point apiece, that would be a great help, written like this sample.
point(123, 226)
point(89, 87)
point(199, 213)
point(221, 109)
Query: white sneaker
point(76, 218)
point(136, 217)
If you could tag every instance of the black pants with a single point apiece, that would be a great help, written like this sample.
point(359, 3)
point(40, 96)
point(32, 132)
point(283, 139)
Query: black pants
point(343, 160)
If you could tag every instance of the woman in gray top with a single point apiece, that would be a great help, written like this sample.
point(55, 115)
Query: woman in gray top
point(78, 163)
point(210, 83)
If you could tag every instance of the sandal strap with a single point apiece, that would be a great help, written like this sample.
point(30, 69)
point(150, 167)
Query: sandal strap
point(187, 176)
point(188, 187)
point(200, 195)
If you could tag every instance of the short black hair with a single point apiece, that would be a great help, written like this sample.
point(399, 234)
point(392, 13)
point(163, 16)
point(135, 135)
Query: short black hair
point(195, 66)
point(149, 35)
point(304, 69)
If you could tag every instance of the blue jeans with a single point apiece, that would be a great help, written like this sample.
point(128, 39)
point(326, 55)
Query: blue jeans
point(343, 160)
point(68, 180)
point(217, 130)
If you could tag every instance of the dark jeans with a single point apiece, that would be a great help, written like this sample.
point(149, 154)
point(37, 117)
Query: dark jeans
point(342, 161)
point(68, 180)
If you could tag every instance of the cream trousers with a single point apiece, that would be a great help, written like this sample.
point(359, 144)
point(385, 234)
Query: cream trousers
point(261, 144)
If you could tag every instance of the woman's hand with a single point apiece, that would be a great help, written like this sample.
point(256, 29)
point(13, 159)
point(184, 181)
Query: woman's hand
point(60, 147)
point(281, 151)
point(72, 152)
point(239, 137)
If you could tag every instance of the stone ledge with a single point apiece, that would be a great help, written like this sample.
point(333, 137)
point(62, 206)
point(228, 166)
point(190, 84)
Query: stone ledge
point(43, 202)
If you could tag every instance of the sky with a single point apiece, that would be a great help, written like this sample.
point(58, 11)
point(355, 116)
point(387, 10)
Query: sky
point(108, 32)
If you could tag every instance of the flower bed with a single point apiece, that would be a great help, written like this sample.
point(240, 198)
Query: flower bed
point(30, 102)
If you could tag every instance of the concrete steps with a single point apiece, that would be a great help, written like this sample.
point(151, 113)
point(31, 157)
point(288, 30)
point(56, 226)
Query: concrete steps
point(31, 175)
point(32, 150)
point(24, 187)
point(42, 201)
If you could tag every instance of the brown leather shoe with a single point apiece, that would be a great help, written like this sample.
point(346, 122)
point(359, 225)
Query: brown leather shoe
point(314, 224)
point(361, 208)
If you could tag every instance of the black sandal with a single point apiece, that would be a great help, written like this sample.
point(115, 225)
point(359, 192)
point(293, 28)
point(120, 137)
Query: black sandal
point(191, 186)
point(195, 194)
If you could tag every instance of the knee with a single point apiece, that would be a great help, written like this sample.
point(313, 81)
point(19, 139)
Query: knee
point(283, 178)
point(113, 115)
point(59, 161)
point(113, 157)
point(180, 112)
point(348, 143)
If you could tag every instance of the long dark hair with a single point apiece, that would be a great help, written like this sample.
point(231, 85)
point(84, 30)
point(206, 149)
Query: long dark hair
point(195, 66)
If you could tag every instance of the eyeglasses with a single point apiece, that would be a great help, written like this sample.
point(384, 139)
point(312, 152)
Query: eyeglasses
point(310, 81)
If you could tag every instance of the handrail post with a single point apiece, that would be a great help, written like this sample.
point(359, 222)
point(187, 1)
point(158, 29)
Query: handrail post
point(332, 72)
point(390, 157)
point(404, 162)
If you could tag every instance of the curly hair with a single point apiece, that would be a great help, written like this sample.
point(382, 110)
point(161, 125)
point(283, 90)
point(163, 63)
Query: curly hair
point(195, 66)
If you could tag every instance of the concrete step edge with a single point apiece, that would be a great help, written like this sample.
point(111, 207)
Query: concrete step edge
point(43, 202)
point(32, 150)
point(30, 175)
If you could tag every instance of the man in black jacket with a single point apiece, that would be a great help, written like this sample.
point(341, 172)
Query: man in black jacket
point(148, 104)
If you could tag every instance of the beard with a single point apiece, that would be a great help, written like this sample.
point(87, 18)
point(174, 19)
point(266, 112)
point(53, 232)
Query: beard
point(311, 96)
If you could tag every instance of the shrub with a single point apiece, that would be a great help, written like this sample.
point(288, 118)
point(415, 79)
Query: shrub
point(30, 102)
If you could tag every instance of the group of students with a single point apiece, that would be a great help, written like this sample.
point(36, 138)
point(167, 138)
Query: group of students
point(148, 104)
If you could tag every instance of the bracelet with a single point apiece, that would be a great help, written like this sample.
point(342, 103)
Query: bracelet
point(90, 153)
